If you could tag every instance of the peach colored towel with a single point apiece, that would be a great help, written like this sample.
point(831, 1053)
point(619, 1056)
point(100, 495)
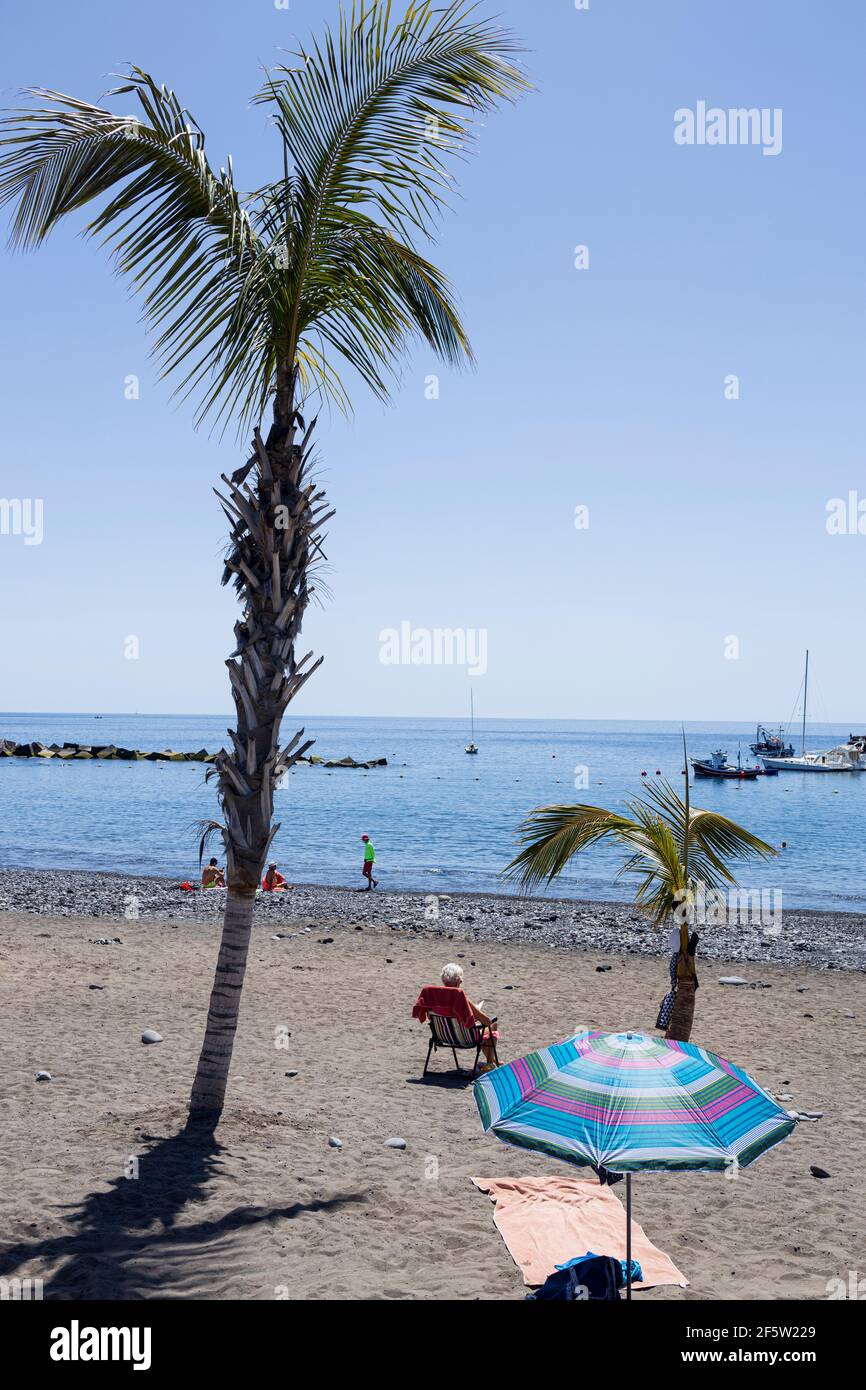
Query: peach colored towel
point(547, 1221)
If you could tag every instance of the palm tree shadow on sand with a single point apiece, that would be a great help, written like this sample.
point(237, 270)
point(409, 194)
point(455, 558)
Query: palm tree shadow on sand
point(124, 1241)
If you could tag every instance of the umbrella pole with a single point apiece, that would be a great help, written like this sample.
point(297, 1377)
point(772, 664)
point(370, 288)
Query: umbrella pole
point(628, 1236)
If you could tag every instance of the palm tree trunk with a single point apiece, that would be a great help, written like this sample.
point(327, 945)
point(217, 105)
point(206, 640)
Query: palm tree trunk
point(683, 1013)
point(680, 1027)
point(274, 541)
point(212, 1075)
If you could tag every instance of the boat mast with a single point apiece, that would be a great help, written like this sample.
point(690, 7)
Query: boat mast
point(805, 693)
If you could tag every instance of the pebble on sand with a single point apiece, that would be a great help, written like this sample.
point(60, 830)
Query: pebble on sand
point(818, 1172)
point(43, 1076)
point(395, 1143)
point(334, 1142)
point(732, 980)
point(150, 1035)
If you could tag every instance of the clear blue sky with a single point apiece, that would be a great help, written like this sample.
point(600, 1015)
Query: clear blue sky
point(602, 387)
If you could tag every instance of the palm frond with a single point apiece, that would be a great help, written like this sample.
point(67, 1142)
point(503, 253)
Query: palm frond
point(553, 835)
point(206, 830)
point(367, 118)
point(367, 294)
point(175, 228)
point(712, 838)
point(367, 110)
point(316, 268)
point(654, 835)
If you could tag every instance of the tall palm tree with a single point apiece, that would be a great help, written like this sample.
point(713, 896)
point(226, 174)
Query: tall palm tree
point(670, 847)
point(257, 301)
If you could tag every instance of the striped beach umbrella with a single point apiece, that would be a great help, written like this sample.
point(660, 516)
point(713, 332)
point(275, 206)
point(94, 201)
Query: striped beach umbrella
point(628, 1103)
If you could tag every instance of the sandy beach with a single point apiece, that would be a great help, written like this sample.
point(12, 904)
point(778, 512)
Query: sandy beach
point(269, 1211)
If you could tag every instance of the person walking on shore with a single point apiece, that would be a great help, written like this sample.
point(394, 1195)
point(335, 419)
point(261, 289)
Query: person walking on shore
point(369, 859)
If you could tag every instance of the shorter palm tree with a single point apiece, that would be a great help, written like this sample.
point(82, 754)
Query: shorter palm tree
point(671, 848)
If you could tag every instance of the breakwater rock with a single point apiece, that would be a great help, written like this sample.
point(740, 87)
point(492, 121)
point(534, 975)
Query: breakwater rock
point(109, 752)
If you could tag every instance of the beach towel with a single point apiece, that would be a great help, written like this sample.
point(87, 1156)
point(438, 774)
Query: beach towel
point(546, 1222)
point(443, 999)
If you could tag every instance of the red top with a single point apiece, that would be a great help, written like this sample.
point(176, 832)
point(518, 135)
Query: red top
point(443, 999)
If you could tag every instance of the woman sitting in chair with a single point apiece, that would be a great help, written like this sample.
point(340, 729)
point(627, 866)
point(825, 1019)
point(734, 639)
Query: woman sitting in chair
point(452, 978)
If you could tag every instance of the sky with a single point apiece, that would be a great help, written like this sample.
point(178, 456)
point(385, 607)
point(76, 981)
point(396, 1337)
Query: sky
point(623, 507)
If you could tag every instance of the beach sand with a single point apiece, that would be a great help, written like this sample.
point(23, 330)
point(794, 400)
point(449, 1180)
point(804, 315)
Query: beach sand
point(269, 1211)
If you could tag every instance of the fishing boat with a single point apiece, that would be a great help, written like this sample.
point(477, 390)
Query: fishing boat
point(471, 746)
point(771, 745)
point(846, 757)
point(717, 765)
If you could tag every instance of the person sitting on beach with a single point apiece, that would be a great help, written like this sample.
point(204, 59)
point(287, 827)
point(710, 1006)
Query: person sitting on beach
point(452, 978)
point(273, 881)
point(212, 876)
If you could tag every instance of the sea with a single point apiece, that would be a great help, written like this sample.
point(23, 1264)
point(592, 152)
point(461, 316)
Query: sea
point(441, 820)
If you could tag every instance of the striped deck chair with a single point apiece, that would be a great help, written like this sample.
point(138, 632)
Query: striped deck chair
point(447, 1032)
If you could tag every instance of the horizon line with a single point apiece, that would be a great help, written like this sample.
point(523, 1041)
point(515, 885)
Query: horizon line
point(453, 718)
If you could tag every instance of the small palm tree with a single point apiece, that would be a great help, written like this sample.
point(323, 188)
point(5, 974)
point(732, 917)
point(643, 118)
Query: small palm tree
point(256, 300)
point(670, 847)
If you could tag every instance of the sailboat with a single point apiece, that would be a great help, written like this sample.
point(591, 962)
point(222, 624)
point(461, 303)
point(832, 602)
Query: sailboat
point(470, 747)
point(847, 757)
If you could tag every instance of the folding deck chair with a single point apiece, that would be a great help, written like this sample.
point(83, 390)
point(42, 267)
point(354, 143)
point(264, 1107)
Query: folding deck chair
point(447, 1032)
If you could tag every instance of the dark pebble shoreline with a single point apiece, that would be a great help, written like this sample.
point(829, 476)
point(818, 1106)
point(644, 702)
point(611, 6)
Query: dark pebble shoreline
point(819, 940)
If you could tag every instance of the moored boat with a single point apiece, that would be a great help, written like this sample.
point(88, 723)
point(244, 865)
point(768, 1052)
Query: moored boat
point(717, 765)
point(471, 746)
point(846, 757)
point(771, 745)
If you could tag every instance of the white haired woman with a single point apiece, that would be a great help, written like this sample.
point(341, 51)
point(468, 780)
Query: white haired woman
point(452, 978)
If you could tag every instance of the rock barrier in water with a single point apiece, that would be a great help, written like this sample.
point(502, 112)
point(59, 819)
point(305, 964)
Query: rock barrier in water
point(109, 752)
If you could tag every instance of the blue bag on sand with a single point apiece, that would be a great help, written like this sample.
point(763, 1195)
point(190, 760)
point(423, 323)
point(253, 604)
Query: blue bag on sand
point(586, 1278)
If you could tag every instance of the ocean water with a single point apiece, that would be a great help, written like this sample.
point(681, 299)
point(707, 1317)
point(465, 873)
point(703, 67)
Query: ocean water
point(440, 821)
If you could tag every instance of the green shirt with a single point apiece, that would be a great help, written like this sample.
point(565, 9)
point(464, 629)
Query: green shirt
point(369, 853)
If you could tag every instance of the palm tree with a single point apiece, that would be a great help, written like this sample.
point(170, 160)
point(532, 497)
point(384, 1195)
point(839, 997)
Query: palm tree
point(671, 847)
point(255, 301)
